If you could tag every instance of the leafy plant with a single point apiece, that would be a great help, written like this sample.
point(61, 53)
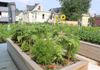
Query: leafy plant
point(46, 51)
point(69, 42)
point(25, 46)
point(48, 44)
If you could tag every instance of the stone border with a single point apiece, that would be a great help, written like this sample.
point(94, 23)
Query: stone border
point(90, 50)
point(24, 62)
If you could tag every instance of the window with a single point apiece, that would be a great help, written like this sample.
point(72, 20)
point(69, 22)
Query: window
point(43, 16)
point(39, 8)
point(0, 14)
point(35, 15)
point(51, 17)
point(2, 4)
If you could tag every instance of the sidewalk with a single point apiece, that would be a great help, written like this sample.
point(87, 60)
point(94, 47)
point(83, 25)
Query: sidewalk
point(5, 61)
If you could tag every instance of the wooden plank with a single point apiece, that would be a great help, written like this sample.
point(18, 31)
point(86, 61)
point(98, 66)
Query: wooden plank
point(78, 66)
point(90, 50)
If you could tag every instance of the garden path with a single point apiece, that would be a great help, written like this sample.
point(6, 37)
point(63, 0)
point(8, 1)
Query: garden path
point(5, 61)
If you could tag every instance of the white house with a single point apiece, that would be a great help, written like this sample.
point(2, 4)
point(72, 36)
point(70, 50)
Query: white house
point(19, 15)
point(34, 13)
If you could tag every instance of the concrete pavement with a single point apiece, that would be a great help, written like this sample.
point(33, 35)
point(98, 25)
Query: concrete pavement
point(5, 61)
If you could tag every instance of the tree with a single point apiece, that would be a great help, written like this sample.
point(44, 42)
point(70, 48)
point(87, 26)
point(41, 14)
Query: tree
point(92, 21)
point(74, 9)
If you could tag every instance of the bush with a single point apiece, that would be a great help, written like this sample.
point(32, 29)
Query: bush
point(50, 43)
point(69, 42)
point(90, 34)
point(47, 43)
point(5, 32)
point(46, 51)
point(25, 46)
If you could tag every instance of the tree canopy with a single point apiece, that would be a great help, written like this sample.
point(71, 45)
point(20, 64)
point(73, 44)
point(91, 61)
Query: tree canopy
point(74, 9)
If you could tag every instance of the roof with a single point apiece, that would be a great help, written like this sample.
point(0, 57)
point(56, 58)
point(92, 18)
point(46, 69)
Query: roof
point(97, 17)
point(18, 12)
point(56, 10)
point(31, 7)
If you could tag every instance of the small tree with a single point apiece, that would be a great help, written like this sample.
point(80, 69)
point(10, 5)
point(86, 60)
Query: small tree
point(92, 21)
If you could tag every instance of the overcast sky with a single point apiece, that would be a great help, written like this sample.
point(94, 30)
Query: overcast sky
point(47, 4)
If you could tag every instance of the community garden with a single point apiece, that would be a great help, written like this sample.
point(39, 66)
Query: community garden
point(50, 46)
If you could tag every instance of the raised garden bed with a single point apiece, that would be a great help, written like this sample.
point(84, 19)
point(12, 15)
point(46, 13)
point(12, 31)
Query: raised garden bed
point(24, 62)
point(90, 50)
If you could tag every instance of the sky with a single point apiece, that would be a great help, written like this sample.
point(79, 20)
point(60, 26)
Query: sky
point(95, 7)
point(47, 4)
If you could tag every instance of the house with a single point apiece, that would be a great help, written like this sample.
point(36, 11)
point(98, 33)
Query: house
point(19, 15)
point(56, 10)
point(35, 13)
point(97, 20)
point(83, 21)
point(55, 13)
point(7, 12)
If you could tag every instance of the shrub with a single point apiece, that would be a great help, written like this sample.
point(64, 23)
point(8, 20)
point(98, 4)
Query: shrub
point(90, 34)
point(43, 41)
point(25, 46)
point(5, 33)
point(69, 42)
point(46, 51)
point(47, 42)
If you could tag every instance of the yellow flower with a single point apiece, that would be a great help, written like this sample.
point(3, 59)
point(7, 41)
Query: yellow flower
point(62, 17)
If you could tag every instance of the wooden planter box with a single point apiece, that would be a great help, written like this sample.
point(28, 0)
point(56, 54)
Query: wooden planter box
point(24, 62)
point(90, 50)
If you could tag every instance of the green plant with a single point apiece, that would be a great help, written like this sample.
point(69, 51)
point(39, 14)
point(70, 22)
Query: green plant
point(5, 32)
point(72, 47)
point(25, 46)
point(69, 42)
point(47, 44)
point(46, 51)
point(92, 21)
